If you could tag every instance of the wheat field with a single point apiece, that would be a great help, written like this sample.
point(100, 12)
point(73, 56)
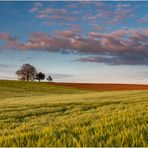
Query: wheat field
point(40, 114)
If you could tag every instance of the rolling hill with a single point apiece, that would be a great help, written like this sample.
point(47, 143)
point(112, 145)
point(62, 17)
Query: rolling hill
point(38, 114)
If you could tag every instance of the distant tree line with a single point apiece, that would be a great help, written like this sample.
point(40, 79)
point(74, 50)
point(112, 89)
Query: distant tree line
point(29, 73)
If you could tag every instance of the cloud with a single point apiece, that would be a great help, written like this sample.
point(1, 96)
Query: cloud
point(110, 14)
point(5, 36)
point(11, 42)
point(122, 6)
point(60, 76)
point(72, 5)
point(82, 11)
point(125, 46)
point(54, 13)
point(6, 66)
point(120, 59)
point(94, 35)
point(36, 7)
point(29, 58)
point(69, 33)
point(144, 19)
point(121, 13)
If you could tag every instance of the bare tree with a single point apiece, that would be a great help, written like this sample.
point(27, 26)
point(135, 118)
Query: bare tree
point(40, 76)
point(26, 72)
point(49, 78)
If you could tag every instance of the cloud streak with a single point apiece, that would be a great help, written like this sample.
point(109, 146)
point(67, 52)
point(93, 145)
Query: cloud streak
point(60, 76)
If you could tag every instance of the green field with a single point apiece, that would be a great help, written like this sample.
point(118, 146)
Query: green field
point(39, 114)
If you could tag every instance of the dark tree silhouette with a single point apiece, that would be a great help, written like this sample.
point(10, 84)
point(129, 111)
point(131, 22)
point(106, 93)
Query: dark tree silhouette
point(40, 76)
point(49, 78)
point(26, 72)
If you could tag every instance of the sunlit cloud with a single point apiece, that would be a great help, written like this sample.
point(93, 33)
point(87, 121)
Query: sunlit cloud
point(126, 46)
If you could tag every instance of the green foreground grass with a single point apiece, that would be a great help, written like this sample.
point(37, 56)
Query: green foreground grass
point(38, 114)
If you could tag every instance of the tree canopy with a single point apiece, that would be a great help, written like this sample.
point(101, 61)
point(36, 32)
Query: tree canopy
point(26, 72)
point(49, 78)
point(40, 76)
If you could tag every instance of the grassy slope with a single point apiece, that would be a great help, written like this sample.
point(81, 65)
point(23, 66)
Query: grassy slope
point(36, 114)
point(9, 89)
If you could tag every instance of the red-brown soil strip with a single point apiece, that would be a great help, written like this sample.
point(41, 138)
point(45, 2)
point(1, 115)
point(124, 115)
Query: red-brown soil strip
point(102, 86)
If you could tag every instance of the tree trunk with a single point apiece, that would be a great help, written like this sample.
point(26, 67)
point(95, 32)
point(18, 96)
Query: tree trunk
point(27, 77)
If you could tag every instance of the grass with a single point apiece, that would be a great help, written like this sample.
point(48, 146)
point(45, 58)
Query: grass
point(9, 89)
point(37, 114)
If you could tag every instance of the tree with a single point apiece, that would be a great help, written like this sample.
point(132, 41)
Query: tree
point(49, 78)
point(40, 76)
point(26, 72)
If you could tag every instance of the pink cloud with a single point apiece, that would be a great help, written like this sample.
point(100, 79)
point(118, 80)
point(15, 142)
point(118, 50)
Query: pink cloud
point(94, 35)
point(4, 36)
point(69, 33)
point(104, 13)
point(119, 40)
point(124, 45)
point(53, 11)
point(56, 17)
point(41, 16)
point(36, 7)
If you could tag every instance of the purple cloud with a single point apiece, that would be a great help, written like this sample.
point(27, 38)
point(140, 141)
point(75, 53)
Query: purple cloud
point(123, 46)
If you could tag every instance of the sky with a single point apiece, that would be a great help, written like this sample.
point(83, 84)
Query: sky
point(76, 41)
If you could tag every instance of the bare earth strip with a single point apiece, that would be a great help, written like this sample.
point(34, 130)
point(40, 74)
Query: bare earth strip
point(101, 86)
